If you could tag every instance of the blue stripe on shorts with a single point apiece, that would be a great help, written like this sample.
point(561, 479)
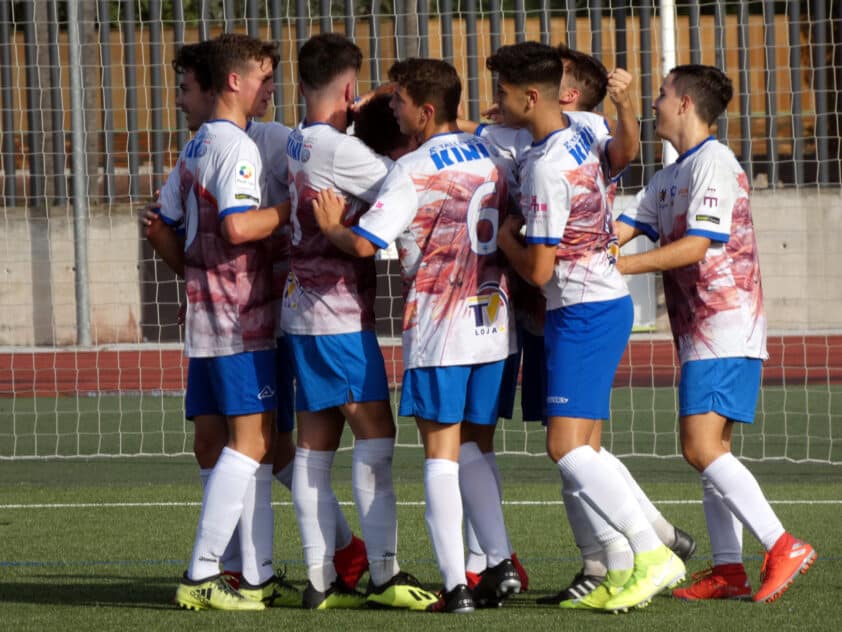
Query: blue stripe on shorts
point(285, 420)
point(332, 370)
point(584, 344)
point(727, 386)
point(452, 394)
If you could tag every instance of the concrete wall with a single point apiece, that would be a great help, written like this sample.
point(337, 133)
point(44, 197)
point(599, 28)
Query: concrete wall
point(798, 234)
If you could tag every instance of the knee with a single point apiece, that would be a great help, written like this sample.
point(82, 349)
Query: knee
point(696, 456)
point(207, 449)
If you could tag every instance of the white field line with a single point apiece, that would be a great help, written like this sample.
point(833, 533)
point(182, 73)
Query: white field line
point(406, 503)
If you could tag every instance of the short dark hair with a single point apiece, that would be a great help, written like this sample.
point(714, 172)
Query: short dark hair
point(589, 73)
point(431, 81)
point(196, 58)
point(709, 87)
point(231, 51)
point(324, 57)
point(527, 63)
point(377, 127)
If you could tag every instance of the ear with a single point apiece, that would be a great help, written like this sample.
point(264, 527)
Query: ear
point(532, 96)
point(428, 110)
point(568, 96)
point(349, 92)
point(685, 104)
point(233, 81)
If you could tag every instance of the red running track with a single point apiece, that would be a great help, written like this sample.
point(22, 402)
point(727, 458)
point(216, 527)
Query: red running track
point(793, 360)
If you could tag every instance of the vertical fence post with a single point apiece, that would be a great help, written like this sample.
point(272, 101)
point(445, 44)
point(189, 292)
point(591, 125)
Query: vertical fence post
point(80, 180)
point(819, 22)
point(667, 10)
point(647, 144)
point(746, 151)
point(57, 108)
point(795, 79)
point(156, 91)
point(132, 130)
point(10, 186)
point(107, 100)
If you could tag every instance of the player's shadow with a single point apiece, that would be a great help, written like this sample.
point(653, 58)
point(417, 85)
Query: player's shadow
point(88, 590)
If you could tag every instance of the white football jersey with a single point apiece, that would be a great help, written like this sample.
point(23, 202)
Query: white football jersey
point(715, 306)
point(328, 291)
point(443, 203)
point(229, 288)
point(564, 200)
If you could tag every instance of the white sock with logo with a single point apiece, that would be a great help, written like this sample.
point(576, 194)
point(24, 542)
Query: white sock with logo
point(257, 528)
point(230, 560)
point(374, 495)
point(743, 496)
point(222, 507)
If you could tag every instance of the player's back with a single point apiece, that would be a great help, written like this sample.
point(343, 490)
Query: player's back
point(456, 293)
point(229, 287)
point(328, 292)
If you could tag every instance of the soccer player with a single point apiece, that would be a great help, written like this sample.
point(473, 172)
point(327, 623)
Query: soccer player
point(229, 337)
point(328, 317)
point(196, 100)
point(570, 253)
point(443, 203)
point(375, 125)
point(698, 208)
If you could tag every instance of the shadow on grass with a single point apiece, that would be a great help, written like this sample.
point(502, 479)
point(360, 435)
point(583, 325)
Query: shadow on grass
point(85, 590)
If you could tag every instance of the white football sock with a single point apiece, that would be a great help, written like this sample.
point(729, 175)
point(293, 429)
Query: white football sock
point(315, 509)
point(284, 475)
point(481, 501)
point(724, 529)
point(374, 495)
point(444, 518)
point(605, 491)
point(222, 507)
point(230, 560)
point(476, 561)
point(593, 556)
point(257, 528)
point(665, 530)
point(491, 458)
point(745, 499)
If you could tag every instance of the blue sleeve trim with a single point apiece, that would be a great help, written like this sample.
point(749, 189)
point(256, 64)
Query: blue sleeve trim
point(362, 232)
point(478, 130)
point(718, 237)
point(169, 221)
point(547, 241)
point(646, 229)
point(235, 209)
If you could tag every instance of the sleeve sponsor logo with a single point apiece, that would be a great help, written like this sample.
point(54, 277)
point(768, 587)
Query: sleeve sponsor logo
point(244, 173)
point(245, 196)
point(712, 219)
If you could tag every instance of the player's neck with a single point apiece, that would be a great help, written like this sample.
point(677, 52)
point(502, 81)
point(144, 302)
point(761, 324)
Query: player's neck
point(433, 129)
point(230, 111)
point(333, 114)
point(689, 136)
point(546, 121)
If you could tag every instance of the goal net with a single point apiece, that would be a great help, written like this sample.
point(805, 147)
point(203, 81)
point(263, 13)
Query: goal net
point(121, 395)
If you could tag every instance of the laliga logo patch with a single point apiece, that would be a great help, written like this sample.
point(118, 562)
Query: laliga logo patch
point(486, 308)
point(244, 173)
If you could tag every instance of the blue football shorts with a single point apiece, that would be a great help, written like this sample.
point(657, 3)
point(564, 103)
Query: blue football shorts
point(332, 370)
point(453, 394)
point(727, 386)
point(240, 384)
point(583, 345)
point(285, 420)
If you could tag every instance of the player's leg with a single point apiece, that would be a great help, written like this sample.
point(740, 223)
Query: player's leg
point(237, 383)
point(713, 394)
point(584, 344)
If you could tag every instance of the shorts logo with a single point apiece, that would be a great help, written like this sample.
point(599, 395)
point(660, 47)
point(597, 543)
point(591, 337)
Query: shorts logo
point(552, 399)
point(244, 173)
point(266, 392)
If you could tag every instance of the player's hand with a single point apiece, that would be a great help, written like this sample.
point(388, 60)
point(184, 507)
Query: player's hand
point(386, 88)
point(511, 229)
point(328, 208)
point(619, 81)
point(182, 313)
point(151, 212)
point(493, 114)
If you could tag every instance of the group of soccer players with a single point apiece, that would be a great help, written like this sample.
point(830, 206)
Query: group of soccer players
point(507, 244)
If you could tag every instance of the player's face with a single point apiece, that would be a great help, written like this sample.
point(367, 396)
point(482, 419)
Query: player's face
point(257, 86)
point(411, 118)
point(513, 102)
point(197, 104)
point(667, 108)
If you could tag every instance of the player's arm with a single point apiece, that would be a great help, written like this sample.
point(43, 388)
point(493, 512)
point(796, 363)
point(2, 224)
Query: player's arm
point(625, 143)
point(467, 126)
point(166, 243)
point(626, 232)
point(328, 208)
point(533, 262)
point(686, 251)
point(254, 224)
